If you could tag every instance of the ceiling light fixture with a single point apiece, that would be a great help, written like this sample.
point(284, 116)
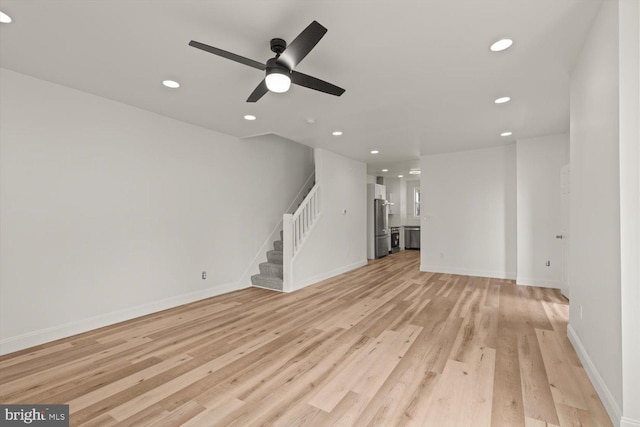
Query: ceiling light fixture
point(374, 151)
point(414, 172)
point(4, 18)
point(501, 44)
point(385, 170)
point(171, 84)
point(249, 117)
point(278, 79)
point(506, 134)
point(502, 100)
point(336, 133)
point(400, 176)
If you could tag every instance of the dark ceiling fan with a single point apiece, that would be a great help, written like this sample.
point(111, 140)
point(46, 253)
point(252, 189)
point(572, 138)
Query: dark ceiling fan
point(280, 69)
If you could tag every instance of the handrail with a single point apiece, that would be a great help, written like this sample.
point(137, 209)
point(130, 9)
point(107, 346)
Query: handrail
point(301, 196)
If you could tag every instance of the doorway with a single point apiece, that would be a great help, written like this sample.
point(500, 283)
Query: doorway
point(564, 226)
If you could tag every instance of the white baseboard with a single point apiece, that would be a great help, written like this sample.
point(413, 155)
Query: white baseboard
point(610, 404)
point(628, 422)
point(327, 275)
point(468, 272)
point(541, 283)
point(264, 287)
point(20, 342)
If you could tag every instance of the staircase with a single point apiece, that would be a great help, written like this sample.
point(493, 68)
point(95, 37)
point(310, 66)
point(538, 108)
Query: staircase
point(297, 226)
point(270, 276)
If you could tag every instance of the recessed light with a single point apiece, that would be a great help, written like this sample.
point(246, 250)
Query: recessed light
point(400, 176)
point(249, 117)
point(502, 100)
point(336, 133)
point(501, 44)
point(374, 151)
point(414, 172)
point(385, 170)
point(506, 134)
point(171, 84)
point(4, 18)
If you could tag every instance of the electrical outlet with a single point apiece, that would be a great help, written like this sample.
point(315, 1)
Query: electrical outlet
point(204, 275)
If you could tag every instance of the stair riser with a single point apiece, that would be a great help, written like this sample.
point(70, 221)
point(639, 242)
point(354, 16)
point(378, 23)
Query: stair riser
point(277, 245)
point(275, 258)
point(267, 282)
point(273, 270)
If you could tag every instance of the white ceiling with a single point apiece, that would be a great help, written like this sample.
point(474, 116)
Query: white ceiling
point(419, 76)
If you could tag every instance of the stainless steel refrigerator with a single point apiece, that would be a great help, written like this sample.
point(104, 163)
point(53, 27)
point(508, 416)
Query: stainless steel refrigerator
point(381, 228)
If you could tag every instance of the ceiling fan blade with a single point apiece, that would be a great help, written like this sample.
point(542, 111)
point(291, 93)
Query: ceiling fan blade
point(228, 55)
point(258, 92)
point(316, 84)
point(302, 45)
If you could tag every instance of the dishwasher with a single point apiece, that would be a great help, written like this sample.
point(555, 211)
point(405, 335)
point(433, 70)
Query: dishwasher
point(412, 237)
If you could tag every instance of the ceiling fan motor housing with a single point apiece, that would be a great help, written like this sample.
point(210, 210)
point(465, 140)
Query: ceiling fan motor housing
point(278, 46)
point(274, 66)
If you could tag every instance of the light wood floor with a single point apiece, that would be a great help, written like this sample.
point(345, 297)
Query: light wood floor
point(384, 345)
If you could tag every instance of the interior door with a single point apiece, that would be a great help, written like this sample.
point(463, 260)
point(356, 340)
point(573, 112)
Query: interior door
point(565, 189)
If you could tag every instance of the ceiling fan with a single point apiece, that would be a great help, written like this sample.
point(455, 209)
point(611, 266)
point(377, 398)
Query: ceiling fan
point(279, 71)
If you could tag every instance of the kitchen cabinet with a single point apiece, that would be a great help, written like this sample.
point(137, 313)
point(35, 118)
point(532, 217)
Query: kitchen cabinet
point(395, 196)
point(394, 206)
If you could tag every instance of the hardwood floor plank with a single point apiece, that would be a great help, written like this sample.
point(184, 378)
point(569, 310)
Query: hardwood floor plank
point(536, 393)
point(212, 416)
point(329, 395)
point(132, 406)
point(564, 386)
point(532, 422)
point(383, 345)
point(573, 417)
point(507, 405)
point(118, 385)
point(597, 412)
point(379, 369)
point(471, 383)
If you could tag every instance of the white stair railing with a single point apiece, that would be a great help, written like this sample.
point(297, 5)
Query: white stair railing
point(295, 229)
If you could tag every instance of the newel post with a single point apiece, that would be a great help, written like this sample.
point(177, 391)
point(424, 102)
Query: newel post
point(287, 252)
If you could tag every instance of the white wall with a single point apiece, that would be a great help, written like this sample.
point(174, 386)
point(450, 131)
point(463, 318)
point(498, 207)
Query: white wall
point(109, 212)
point(594, 258)
point(538, 209)
point(629, 21)
point(469, 212)
point(338, 242)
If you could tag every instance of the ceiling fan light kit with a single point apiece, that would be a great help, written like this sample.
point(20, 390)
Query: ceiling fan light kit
point(279, 73)
point(278, 78)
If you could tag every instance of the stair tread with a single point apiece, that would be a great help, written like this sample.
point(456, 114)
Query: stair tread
point(271, 263)
point(275, 257)
point(268, 278)
point(267, 282)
